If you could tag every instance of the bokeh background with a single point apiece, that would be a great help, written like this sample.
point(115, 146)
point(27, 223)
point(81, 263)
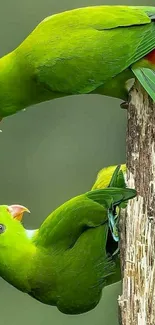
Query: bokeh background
point(52, 152)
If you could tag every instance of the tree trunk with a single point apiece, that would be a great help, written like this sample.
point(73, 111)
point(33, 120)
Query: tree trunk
point(137, 303)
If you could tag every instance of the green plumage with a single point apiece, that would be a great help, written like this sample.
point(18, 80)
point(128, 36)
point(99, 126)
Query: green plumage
point(147, 78)
point(71, 257)
point(95, 49)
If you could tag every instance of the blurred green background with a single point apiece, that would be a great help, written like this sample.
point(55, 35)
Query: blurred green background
point(52, 152)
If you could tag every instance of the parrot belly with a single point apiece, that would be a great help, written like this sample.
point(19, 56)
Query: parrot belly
point(73, 280)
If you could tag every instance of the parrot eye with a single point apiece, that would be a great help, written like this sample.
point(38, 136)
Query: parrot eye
point(2, 228)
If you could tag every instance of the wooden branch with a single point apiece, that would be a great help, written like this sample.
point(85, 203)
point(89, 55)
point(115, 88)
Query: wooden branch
point(137, 303)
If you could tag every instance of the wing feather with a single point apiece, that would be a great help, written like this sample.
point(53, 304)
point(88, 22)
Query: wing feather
point(77, 51)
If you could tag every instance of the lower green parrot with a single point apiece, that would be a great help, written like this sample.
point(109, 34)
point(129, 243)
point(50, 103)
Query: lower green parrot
point(72, 256)
point(91, 50)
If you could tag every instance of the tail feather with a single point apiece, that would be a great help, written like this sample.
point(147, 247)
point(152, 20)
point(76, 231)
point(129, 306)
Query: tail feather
point(147, 79)
point(112, 196)
point(104, 176)
point(117, 179)
point(113, 180)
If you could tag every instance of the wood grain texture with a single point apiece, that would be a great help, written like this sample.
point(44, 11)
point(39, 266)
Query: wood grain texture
point(137, 302)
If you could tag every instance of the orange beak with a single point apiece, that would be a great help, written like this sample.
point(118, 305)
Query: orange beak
point(17, 211)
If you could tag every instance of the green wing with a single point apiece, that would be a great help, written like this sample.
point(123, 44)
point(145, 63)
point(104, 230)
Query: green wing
point(147, 79)
point(117, 179)
point(65, 225)
point(111, 196)
point(79, 50)
point(105, 174)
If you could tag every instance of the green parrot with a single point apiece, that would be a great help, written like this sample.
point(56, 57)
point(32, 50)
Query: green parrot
point(91, 50)
point(72, 256)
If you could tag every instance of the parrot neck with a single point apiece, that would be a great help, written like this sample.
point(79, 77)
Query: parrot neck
point(16, 264)
point(147, 62)
point(151, 57)
point(18, 86)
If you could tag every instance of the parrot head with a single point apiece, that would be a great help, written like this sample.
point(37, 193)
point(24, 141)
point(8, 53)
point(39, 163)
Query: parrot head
point(10, 224)
point(15, 246)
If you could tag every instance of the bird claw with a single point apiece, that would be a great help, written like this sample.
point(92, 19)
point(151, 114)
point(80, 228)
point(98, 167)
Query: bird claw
point(113, 220)
point(116, 252)
point(124, 105)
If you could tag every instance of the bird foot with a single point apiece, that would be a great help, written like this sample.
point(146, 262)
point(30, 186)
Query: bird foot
point(116, 252)
point(124, 105)
point(113, 221)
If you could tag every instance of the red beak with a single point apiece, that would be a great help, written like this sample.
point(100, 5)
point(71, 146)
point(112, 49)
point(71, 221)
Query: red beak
point(17, 211)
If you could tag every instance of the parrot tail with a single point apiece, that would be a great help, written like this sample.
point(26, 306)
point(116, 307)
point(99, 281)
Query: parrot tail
point(117, 179)
point(146, 77)
point(104, 177)
point(113, 197)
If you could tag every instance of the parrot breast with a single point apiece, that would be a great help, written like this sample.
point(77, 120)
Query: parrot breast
point(151, 57)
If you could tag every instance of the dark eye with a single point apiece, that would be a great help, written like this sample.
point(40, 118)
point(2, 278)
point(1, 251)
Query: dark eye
point(2, 228)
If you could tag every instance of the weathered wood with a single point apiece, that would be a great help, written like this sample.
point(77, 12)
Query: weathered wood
point(137, 302)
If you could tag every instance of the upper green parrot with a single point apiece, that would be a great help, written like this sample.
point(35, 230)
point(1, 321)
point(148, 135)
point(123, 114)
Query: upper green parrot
point(72, 256)
point(92, 50)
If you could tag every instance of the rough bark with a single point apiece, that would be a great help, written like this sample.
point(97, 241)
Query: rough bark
point(137, 302)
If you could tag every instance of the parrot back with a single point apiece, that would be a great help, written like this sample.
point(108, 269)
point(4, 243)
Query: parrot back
point(77, 51)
